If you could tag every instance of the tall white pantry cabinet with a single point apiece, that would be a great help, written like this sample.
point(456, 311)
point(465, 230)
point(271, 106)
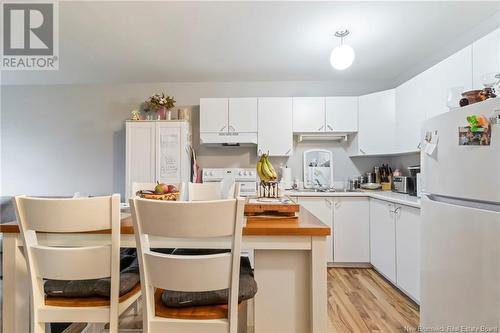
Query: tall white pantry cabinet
point(156, 151)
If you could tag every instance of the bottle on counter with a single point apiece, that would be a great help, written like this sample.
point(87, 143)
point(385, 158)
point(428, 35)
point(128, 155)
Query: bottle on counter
point(377, 175)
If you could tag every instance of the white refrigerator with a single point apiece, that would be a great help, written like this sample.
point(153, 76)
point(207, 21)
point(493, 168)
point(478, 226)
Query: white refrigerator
point(460, 252)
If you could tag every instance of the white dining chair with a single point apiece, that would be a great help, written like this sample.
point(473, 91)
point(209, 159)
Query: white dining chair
point(212, 191)
point(42, 215)
point(195, 273)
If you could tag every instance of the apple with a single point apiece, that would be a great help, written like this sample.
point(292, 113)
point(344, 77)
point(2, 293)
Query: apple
point(171, 189)
point(161, 188)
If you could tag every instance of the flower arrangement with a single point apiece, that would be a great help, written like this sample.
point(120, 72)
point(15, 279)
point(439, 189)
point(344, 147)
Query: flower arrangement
point(157, 101)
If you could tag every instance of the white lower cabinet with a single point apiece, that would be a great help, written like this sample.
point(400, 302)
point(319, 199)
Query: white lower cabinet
point(322, 208)
point(408, 250)
point(383, 238)
point(349, 219)
point(367, 230)
point(395, 244)
point(351, 230)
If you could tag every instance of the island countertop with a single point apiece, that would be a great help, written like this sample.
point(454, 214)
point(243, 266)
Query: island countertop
point(308, 225)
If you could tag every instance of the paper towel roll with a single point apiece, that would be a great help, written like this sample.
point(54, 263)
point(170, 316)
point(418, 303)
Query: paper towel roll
point(286, 178)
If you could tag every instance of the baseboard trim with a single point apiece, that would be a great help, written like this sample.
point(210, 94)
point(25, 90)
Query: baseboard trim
point(350, 264)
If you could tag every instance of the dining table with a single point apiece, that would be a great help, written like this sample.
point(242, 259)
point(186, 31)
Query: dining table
point(289, 262)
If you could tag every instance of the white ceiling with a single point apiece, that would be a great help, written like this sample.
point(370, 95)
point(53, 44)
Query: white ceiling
point(136, 41)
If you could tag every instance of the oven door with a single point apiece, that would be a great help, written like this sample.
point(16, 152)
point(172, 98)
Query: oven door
point(248, 188)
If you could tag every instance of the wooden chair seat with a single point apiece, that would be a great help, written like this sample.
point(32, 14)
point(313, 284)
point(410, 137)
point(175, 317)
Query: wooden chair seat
point(191, 313)
point(88, 301)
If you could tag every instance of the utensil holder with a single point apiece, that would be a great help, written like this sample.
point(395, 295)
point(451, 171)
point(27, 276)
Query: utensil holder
point(268, 190)
point(386, 186)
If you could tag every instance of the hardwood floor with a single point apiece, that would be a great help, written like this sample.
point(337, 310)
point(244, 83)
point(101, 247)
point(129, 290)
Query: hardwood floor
point(361, 300)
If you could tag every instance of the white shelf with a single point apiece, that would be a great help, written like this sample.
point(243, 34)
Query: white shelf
point(401, 153)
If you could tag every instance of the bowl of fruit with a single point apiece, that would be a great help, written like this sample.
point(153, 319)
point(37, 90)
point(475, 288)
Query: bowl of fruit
point(162, 191)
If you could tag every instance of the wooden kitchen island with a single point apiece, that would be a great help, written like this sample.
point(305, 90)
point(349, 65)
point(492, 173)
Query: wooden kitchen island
point(289, 260)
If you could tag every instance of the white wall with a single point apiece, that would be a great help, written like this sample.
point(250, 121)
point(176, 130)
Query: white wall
point(57, 140)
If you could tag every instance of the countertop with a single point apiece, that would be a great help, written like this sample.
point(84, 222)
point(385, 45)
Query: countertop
point(398, 198)
point(308, 225)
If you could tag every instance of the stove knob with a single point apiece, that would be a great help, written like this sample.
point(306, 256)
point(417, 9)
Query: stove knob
point(240, 173)
point(210, 173)
point(250, 173)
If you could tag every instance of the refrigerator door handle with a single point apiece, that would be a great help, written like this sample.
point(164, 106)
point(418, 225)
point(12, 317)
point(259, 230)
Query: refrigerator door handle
point(469, 203)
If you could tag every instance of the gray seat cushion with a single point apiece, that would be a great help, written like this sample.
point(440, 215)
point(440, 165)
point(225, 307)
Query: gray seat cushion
point(129, 277)
point(247, 288)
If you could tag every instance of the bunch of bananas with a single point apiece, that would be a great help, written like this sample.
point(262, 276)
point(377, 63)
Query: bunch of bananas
point(265, 169)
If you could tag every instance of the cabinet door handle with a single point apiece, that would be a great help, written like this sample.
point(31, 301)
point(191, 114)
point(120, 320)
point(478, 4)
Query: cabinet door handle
point(231, 128)
point(329, 127)
point(329, 202)
point(361, 151)
point(222, 129)
point(337, 204)
point(321, 128)
point(397, 210)
point(419, 145)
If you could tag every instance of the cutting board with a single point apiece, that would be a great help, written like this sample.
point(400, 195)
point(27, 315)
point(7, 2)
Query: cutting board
point(254, 207)
point(271, 211)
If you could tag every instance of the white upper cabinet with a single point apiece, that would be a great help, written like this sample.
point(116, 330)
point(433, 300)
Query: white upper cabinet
point(242, 115)
point(341, 114)
point(376, 122)
point(426, 96)
point(308, 114)
point(436, 82)
point(275, 126)
point(486, 57)
point(409, 115)
point(214, 115)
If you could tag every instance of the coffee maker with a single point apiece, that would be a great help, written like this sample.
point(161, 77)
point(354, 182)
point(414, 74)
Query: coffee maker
point(414, 180)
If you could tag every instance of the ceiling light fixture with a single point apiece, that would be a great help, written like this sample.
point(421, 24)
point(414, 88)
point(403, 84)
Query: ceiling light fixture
point(343, 55)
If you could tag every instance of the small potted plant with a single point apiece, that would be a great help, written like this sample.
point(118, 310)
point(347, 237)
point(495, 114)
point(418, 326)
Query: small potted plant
point(160, 104)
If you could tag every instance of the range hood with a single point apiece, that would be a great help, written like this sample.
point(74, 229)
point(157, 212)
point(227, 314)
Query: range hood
point(228, 139)
point(322, 137)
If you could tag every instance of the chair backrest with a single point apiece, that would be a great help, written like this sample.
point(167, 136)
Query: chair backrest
point(192, 220)
point(212, 191)
point(37, 215)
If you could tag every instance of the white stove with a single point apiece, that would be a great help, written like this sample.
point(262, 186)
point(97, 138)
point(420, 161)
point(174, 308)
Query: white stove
point(247, 178)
